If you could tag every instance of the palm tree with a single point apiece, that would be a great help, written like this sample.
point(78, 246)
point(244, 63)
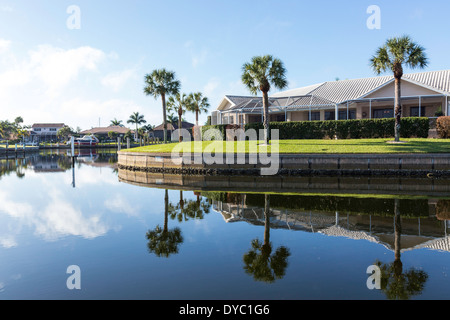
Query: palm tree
point(199, 105)
point(393, 56)
point(116, 122)
point(260, 75)
point(161, 83)
point(136, 119)
point(179, 103)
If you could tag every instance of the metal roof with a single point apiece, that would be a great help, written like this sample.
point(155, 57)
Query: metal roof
point(338, 92)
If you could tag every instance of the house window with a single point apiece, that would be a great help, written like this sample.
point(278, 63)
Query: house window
point(315, 116)
point(53, 129)
point(330, 115)
point(415, 112)
point(383, 113)
point(37, 130)
point(351, 115)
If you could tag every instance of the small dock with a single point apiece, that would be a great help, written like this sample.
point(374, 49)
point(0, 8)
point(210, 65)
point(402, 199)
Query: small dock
point(16, 152)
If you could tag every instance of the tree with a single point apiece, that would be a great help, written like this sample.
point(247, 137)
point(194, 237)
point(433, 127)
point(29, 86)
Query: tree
point(393, 56)
point(116, 122)
point(162, 83)
point(179, 103)
point(199, 105)
point(136, 119)
point(64, 133)
point(259, 75)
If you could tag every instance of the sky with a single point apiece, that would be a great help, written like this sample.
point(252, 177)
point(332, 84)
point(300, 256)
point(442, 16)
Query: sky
point(86, 67)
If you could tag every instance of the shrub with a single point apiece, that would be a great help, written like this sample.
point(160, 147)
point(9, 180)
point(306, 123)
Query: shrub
point(443, 127)
point(342, 129)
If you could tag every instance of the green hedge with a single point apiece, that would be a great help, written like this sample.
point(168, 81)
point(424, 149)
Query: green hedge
point(348, 129)
point(342, 129)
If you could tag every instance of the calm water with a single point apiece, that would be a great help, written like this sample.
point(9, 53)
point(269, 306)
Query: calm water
point(148, 242)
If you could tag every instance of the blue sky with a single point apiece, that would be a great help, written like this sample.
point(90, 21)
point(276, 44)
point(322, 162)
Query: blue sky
point(91, 75)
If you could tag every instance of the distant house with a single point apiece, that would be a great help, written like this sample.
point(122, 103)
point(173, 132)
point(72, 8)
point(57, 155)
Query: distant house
point(45, 131)
point(159, 130)
point(102, 132)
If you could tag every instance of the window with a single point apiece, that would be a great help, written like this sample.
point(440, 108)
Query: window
point(383, 113)
point(315, 116)
point(415, 112)
point(330, 115)
point(53, 129)
point(351, 115)
point(37, 129)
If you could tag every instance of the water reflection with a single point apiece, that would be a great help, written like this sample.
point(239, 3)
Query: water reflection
point(236, 243)
point(260, 262)
point(164, 242)
point(396, 283)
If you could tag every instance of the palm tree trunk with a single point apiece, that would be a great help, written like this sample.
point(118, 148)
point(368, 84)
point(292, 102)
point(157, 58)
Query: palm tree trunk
point(163, 98)
point(266, 117)
point(180, 123)
point(398, 108)
point(196, 118)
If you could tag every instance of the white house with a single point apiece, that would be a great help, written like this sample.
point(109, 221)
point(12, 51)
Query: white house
point(423, 94)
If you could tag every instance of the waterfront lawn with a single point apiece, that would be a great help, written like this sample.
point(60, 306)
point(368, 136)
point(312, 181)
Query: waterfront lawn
point(363, 146)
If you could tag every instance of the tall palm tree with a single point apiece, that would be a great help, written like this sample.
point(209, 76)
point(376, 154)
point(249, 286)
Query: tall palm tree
point(116, 122)
point(136, 119)
point(393, 56)
point(179, 103)
point(259, 75)
point(199, 104)
point(162, 83)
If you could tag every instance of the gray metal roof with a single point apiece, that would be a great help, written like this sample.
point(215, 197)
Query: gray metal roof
point(438, 80)
point(338, 92)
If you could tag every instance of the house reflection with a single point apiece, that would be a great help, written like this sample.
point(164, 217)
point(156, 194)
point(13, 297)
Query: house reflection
point(424, 221)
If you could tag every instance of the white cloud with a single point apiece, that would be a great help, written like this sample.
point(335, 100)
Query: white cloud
point(6, 8)
point(57, 67)
point(117, 80)
point(198, 56)
point(4, 45)
point(52, 84)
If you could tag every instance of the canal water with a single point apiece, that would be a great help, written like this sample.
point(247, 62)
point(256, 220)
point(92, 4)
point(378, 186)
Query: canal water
point(81, 232)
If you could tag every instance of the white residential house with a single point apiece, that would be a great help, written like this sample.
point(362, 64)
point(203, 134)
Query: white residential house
point(45, 131)
point(423, 94)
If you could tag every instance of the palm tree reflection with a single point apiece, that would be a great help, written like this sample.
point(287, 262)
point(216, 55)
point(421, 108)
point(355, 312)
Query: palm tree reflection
point(164, 241)
point(396, 283)
point(259, 261)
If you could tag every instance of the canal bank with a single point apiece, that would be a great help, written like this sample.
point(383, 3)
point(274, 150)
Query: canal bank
point(415, 165)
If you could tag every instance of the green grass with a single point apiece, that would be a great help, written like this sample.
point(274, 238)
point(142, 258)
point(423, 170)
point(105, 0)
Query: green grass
point(363, 146)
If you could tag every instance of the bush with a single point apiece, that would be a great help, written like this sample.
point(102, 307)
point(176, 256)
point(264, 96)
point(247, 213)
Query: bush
point(443, 127)
point(348, 129)
point(342, 129)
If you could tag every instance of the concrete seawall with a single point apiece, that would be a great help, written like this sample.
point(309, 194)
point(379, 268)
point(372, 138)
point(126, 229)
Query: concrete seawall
point(298, 164)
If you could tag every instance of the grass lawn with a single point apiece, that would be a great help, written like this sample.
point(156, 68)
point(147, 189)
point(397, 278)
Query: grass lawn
point(371, 146)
